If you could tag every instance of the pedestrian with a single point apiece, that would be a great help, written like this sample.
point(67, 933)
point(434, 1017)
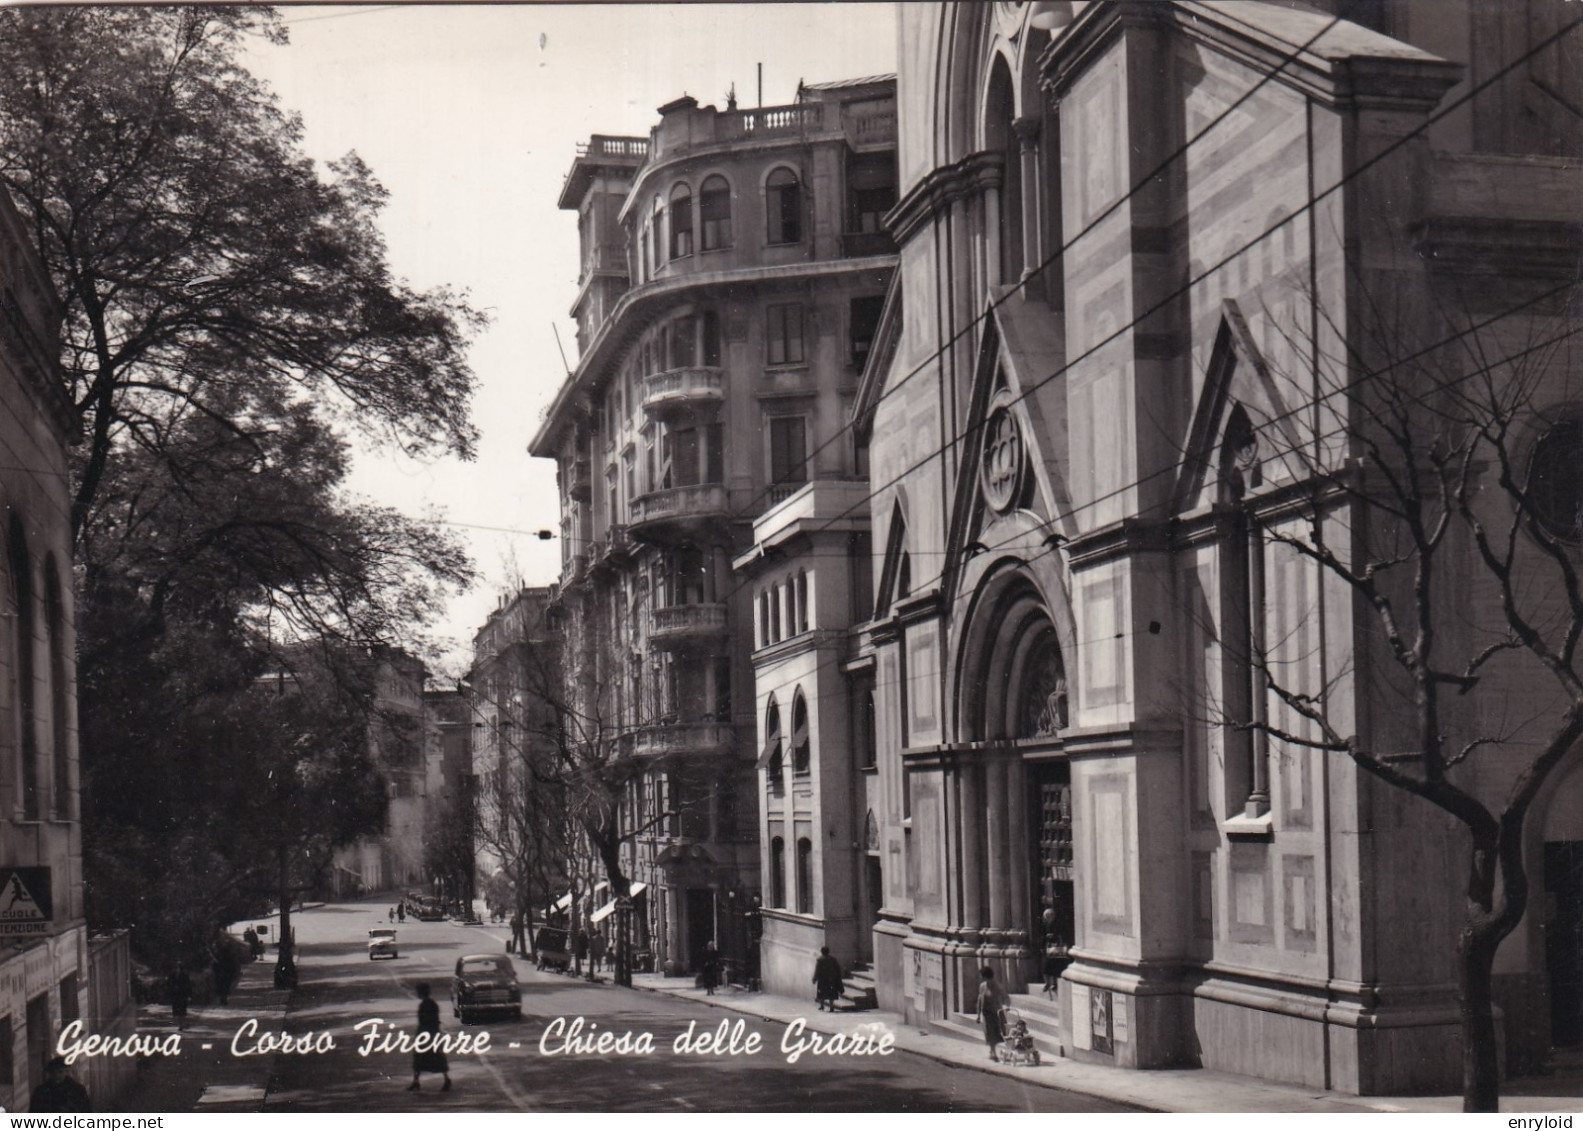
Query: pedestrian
point(596, 952)
point(828, 986)
point(429, 1060)
point(579, 951)
point(225, 967)
point(518, 935)
point(179, 988)
point(710, 968)
point(255, 949)
point(401, 912)
point(991, 1000)
point(59, 1092)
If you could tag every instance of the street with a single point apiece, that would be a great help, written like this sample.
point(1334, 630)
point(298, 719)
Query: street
point(540, 1062)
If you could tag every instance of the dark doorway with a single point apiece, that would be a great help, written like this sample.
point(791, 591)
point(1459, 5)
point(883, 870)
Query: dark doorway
point(39, 1039)
point(1054, 908)
point(1564, 939)
point(700, 924)
point(873, 900)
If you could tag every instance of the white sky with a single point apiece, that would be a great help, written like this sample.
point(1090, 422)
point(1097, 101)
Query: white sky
point(470, 116)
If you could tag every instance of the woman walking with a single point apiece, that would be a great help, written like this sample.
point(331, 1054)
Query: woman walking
point(991, 1000)
point(432, 1060)
point(828, 986)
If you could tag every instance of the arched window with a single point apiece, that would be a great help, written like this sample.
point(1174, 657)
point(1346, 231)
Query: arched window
point(783, 207)
point(802, 600)
point(55, 630)
point(714, 212)
point(777, 872)
point(681, 221)
point(800, 743)
point(774, 759)
point(804, 876)
point(22, 601)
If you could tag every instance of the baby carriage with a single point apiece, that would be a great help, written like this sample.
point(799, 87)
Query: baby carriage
point(1016, 1043)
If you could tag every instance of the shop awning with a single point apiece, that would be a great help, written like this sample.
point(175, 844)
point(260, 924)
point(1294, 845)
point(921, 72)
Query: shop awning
point(604, 912)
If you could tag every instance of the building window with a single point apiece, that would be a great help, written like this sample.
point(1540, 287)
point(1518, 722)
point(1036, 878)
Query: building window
point(1555, 481)
point(783, 207)
point(777, 872)
point(764, 620)
point(800, 743)
point(22, 602)
point(7, 1058)
point(867, 739)
point(775, 614)
point(711, 328)
point(681, 221)
point(55, 630)
point(783, 334)
point(802, 601)
point(804, 876)
point(657, 233)
point(869, 207)
point(714, 211)
point(863, 323)
point(774, 758)
point(684, 342)
point(788, 450)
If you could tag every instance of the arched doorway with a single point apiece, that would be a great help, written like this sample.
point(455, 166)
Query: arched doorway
point(1015, 701)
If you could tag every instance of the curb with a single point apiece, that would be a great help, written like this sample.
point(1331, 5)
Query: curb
point(935, 1057)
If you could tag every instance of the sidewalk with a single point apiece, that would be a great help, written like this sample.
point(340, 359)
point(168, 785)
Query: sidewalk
point(1160, 1089)
point(206, 1077)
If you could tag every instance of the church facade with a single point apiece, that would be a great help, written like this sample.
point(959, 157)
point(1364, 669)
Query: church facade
point(1146, 256)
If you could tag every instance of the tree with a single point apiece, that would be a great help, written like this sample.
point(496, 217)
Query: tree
point(229, 317)
point(205, 267)
point(579, 789)
point(1446, 519)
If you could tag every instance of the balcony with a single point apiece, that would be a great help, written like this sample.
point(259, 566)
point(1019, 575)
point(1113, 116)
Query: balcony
point(579, 479)
point(677, 511)
point(688, 626)
point(687, 389)
point(614, 551)
point(856, 245)
point(681, 740)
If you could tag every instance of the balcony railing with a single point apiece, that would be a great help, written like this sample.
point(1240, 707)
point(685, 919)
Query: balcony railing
point(653, 514)
point(674, 740)
point(855, 245)
point(603, 145)
point(681, 625)
point(689, 387)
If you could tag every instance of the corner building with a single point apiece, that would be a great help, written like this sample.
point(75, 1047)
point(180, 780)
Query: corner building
point(51, 972)
point(734, 267)
point(1135, 240)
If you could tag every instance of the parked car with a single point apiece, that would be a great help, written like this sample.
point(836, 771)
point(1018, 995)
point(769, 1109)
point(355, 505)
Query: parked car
point(382, 943)
point(430, 911)
point(485, 984)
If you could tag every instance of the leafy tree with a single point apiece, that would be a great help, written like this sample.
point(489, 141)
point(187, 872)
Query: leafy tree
point(229, 317)
point(205, 266)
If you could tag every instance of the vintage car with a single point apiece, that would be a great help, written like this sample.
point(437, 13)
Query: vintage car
point(430, 911)
point(382, 942)
point(485, 985)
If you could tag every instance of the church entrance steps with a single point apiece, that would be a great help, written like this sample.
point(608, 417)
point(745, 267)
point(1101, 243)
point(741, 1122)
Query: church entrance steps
point(861, 991)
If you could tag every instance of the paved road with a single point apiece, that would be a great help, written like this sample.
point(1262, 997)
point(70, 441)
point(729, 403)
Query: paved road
point(520, 1072)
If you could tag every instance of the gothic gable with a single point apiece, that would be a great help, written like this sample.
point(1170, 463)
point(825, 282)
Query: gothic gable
point(1241, 411)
